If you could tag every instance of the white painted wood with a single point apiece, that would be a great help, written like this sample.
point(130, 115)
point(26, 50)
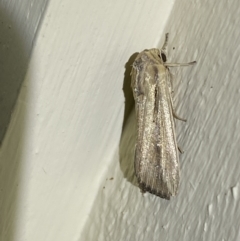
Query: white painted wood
point(19, 21)
point(68, 139)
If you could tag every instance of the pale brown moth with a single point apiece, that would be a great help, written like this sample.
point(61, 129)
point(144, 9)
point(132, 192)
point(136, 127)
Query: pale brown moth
point(156, 155)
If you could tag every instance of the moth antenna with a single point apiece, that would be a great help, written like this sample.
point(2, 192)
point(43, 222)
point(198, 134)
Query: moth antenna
point(164, 49)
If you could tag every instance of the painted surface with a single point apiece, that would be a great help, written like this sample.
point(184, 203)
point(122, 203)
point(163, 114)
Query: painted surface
point(19, 21)
point(67, 158)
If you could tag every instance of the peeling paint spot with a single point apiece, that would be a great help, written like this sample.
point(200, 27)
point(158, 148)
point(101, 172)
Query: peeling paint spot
point(210, 209)
point(234, 190)
point(205, 227)
point(165, 226)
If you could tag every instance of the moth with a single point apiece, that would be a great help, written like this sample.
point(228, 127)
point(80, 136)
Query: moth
point(156, 161)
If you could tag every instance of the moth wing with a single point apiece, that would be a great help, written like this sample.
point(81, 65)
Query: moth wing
point(156, 154)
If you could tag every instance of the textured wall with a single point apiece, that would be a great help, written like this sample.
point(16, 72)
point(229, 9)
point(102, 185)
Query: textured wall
point(71, 171)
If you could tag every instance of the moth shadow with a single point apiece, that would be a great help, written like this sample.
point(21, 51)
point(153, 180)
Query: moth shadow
point(128, 136)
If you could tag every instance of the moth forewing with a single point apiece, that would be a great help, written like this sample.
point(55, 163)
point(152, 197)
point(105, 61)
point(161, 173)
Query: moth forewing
point(156, 154)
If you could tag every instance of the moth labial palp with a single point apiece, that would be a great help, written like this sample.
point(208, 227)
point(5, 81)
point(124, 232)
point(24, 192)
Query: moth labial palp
point(156, 161)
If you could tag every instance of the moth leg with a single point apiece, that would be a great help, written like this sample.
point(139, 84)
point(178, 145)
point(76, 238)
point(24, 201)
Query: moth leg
point(174, 114)
point(180, 150)
point(177, 117)
point(179, 64)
